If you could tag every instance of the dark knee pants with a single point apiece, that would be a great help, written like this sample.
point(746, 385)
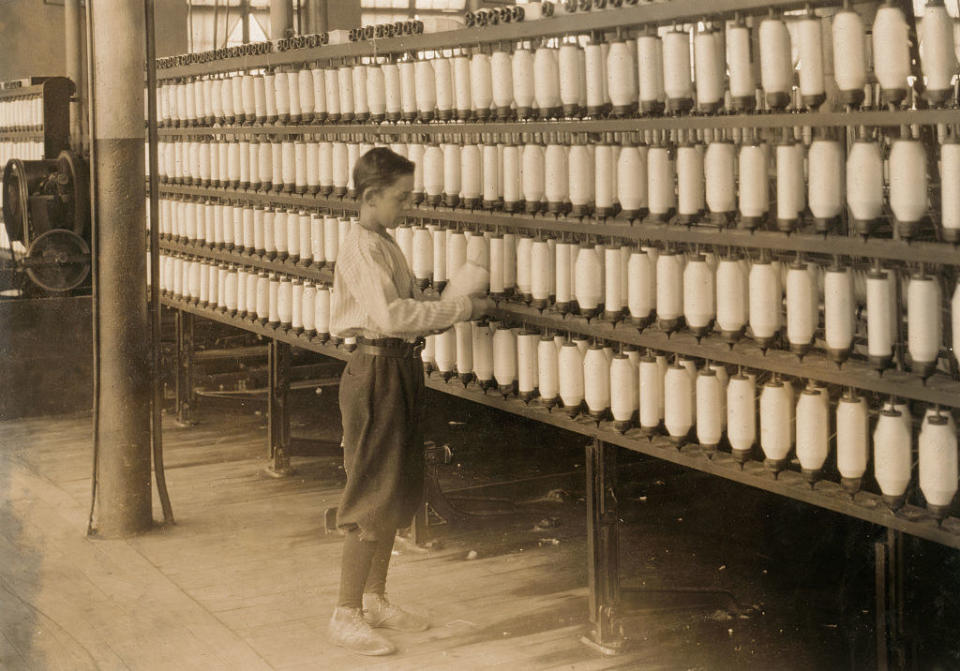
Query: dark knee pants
point(381, 402)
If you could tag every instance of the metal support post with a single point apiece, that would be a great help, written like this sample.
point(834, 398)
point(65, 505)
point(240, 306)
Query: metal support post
point(603, 548)
point(186, 399)
point(278, 418)
point(891, 651)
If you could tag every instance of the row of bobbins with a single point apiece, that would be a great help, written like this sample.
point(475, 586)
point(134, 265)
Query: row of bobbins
point(676, 70)
point(271, 299)
point(789, 180)
point(700, 401)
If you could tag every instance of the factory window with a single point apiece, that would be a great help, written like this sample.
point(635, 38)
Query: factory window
point(388, 11)
point(215, 24)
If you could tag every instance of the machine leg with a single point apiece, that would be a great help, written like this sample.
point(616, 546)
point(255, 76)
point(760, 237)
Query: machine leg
point(603, 548)
point(278, 417)
point(186, 399)
point(891, 651)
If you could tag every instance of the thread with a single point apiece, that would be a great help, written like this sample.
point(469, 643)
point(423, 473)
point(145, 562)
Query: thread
point(851, 440)
point(924, 324)
point(849, 56)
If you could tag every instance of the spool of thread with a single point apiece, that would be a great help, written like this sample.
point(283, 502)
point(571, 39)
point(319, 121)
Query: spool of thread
point(511, 178)
point(415, 154)
point(892, 460)
point(263, 296)
point(308, 308)
point(483, 354)
point(754, 199)
point(865, 185)
point(496, 266)
point(331, 240)
point(881, 324)
point(376, 93)
point(741, 416)
point(955, 321)
point(456, 251)
point(568, 62)
point(581, 181)
point(764, 303)
point(650, 73)
point(438, 241)
point(481, 85)
point(622, 78)
point(522, 65)
point(649, 392)
point(532, 177)
point(331, 93)
point(732, 289)
point(776, 64)
point(678, 408)
point(443, 87)
point(322, 312)
point(790, 185)
point(490, 175)
point(471, 175)
point(527, 360)
point(524, 262)
point(605, 178)
point(709, 409)
point(950, 197)
point(802, 308)
point(891, 53)
point(742, 82)
point(461, 87)
point(501, 74)
point(812, 431)
point(677, 71)
point(691, 196)
point(451, 174)
point(613, 300)
point(425, 85)
point(589, 281)
point(641, 288)
point(776, 432)
point(838, 313)
point(463, 346)
point(546, 82)
point(477, 252)
point(596, 380)
point(812, 90)
point(595, 78)
point(708, 70)
point(669, 291)
point(719, 168)
point(422, 256)
point(632, 181)
point(251, 294)
point(826, 169)
point(924, 324)
point(699, 296)
point(318, 94)
point(849, 57)
point(556, 177)
point(851, 441)
point(445, 353)
point(341, 169)
point(938, 52)
point(392, 91)
point(661, 184)
point(547, 371)
point(563, 264)
point(434, 174)
point(541, 273)
point(938, 464)
point(570, 376)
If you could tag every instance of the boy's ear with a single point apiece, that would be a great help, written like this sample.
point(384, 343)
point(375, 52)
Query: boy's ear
point(369, 196)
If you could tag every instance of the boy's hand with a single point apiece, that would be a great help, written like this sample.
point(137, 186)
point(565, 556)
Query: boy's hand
point(482, 305)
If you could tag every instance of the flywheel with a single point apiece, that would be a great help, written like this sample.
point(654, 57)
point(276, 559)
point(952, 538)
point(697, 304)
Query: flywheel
point(58, 261)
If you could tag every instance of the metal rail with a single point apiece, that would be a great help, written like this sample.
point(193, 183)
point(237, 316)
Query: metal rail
point(937, 389)
point(825, 494)
point(863, 117)
point(842, 245)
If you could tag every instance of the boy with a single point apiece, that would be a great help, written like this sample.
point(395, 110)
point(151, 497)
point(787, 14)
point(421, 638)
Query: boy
point(381, 398)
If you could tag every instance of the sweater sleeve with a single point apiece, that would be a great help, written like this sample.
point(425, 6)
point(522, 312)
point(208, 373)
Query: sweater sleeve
point(366, 275)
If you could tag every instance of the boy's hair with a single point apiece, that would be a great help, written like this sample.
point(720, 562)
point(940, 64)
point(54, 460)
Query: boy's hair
point(378, 168)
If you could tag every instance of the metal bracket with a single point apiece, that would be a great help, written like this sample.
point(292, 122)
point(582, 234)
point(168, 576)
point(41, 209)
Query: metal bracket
point(278, 417)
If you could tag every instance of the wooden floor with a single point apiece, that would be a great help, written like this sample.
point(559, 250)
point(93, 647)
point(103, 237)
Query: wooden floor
point(246, 579)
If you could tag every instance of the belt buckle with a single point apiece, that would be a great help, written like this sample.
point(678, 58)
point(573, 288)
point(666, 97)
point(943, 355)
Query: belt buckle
point(418, 345)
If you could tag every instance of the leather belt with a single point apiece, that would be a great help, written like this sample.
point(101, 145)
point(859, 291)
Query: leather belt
point(390, 347)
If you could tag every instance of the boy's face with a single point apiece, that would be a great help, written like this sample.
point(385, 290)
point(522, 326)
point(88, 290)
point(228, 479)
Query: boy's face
point(389, 203)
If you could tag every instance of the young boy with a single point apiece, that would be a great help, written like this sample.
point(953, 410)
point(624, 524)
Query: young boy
point(375, 298)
